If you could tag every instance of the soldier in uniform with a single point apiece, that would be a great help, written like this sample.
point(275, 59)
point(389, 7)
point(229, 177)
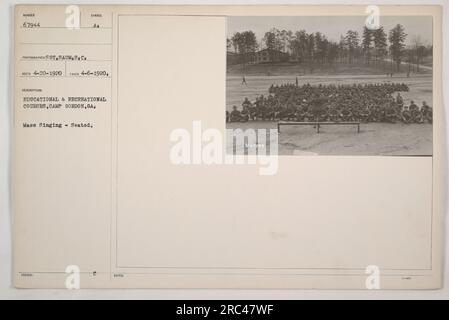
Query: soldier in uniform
point(290, 111)
point(282, 113)
point(318, 109)
point(260, 107)
point(334, 114)
point(300, 113)
point(346, 114)
point(246, 103)
point(235, 114)
point(244, 115)
point(277, 111)
point(406, 115)
point(381, 112)
point(249, 108)
point(308, 116)
point(390, 114)
point(413, 106)
point(364, 114)
point(417, 116)
point(415, 113)
point(399, 100)
point(324, 114)
point(269, 112)
point(426, 111)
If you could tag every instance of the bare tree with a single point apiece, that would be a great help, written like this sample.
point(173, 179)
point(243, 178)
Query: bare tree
point(352, 43)
point(419, 50)
point(397, 38)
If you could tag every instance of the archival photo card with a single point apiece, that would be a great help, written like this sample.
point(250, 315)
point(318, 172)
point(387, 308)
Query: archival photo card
point(126, 174)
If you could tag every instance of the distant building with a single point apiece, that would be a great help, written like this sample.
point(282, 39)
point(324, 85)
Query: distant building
point(233, 58)
point(262, 56)
point(270, 56)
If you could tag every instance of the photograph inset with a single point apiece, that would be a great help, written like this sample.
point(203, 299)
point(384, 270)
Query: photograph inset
point(331, 85)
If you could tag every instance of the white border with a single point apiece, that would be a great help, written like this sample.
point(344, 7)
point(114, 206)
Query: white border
point(8, 292)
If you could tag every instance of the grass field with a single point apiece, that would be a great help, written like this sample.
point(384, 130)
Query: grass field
point(286, 68)
point(374, 138)
point(420, 86)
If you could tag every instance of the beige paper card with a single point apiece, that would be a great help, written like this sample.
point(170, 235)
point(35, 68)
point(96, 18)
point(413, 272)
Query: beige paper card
point(228, 147)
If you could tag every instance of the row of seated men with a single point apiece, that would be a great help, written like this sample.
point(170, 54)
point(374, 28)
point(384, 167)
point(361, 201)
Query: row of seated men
point(364, 103)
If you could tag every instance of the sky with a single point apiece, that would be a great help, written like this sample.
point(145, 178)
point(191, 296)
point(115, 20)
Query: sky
point(332, 26)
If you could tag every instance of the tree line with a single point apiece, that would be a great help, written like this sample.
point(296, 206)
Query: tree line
point(371, 47)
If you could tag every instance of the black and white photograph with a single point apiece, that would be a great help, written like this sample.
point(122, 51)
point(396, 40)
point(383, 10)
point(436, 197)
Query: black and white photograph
point(331, 85)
